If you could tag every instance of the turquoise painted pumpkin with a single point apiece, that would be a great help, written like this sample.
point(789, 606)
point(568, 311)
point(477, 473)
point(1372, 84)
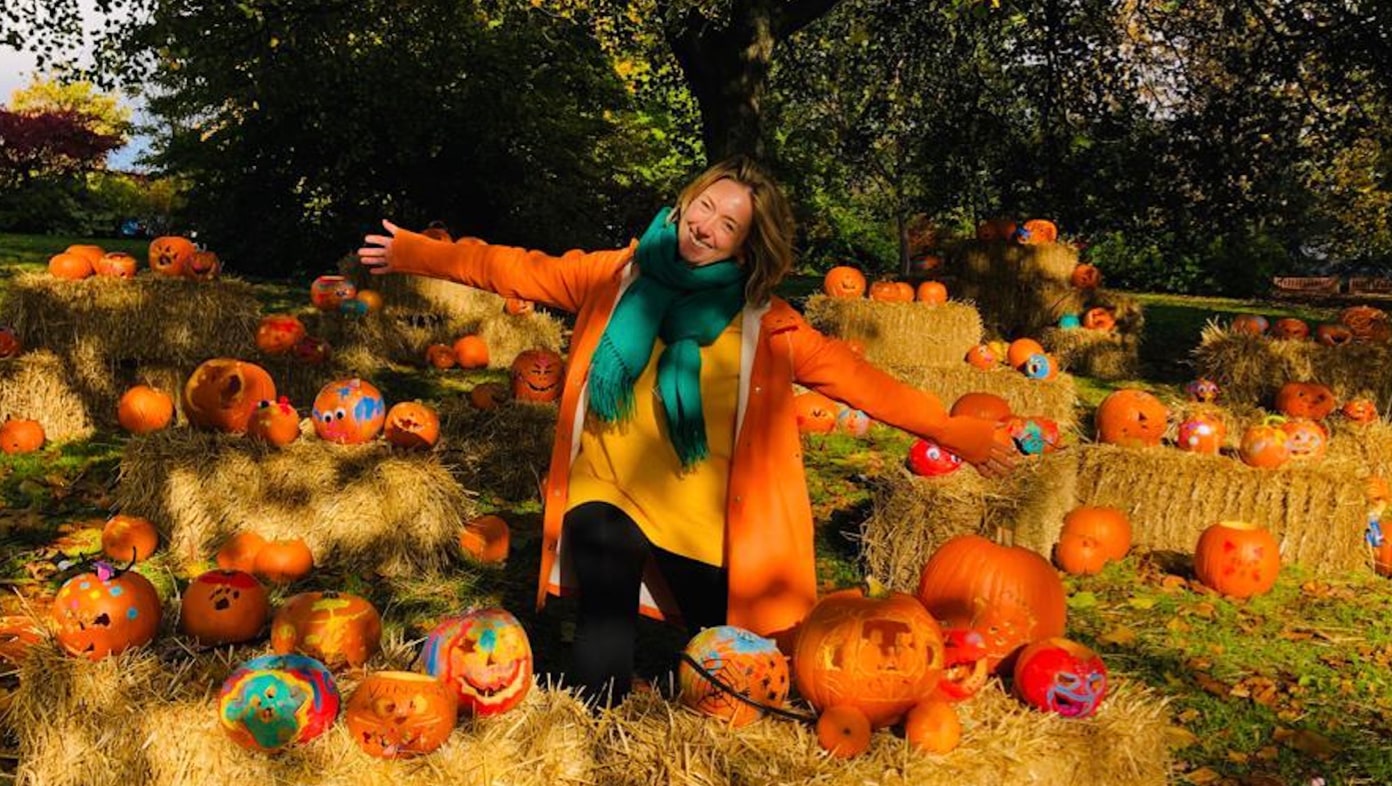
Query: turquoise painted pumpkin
point(272, 702)
point(349, 411)
point(486, 656)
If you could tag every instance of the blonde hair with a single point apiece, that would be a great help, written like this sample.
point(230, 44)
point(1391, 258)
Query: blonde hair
point(768, 248)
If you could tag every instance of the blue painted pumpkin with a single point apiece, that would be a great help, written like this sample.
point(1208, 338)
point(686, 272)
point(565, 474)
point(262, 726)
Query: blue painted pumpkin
point(272, 702)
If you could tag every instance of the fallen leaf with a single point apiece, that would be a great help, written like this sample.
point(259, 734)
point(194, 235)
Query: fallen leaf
point(1173, 583)
point(1121, 636)
point(1312, 743)
point(1268, 752)
point(1177, 737)
point(1141, 603)
point(1215, 686)
point(1202, 776)
point(1082, 600)
point(1237, 757)
point(1189, 715)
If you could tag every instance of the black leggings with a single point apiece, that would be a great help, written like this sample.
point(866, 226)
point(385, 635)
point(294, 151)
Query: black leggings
point(608, 552)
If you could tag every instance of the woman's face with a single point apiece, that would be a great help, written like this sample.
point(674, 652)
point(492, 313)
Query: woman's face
point(714, 226)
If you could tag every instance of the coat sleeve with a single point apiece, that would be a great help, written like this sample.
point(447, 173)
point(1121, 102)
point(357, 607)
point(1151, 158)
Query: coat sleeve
point(561, 282)
point(828, 366)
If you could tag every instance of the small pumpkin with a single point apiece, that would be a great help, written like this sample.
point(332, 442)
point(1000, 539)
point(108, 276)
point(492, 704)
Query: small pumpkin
point(1290, 329)
point(1020, 350)
point(283, 561)
point(1086, 276)
point(1237, 559)
point(844, 281)
point(930, 460)
point(224, 607)
point(1037, 231)
point(327, 292)
point(440, 356)
point(489, 395)
point(1264, 445)
point(169, 255)
point(852, 421)
point(349, 411)
point(1108, 526)
point(127, 538)
point(412, 425)
point(401, 714)
point(471, 352)
point(815, 413)
point(1306, 440)
point(485, 539)
point(270, 703)
point(843, 731)
point(116, 264)
point(312, 351)
point(143, 409)
point(1249, 324)
point(1306, 400)
point(18, 435)
point(1131, 418)
point(981, 356)
point(485, 656)
point(1061, 676)
point(105, 612)
point(222, 393)
point(1360, 410)
point(10, 342)
point(1099, 319)
point(371, 298)
point(279, 333)
point(517, 307)
point(1202, 432)
point(933, 727)
point(537, 375)
point(932, 293)
point(69, 267)
point(239, 551)
point(1041, 366)
point(275, 422)
point(203, 266)
point(740, 661)
point(1204, 391)
point(338, 628)
point(886, 292)
point(1333, 335)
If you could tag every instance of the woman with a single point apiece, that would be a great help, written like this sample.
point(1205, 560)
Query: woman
point(676, 482)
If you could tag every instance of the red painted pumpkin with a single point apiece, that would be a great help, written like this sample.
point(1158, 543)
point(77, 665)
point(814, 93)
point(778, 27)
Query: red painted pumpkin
point(1131, 418)
point(116, 264)
point(327, 293)
point(142, 409)
point(485, 656)
point(1360, 410)
point(1249, 324)
point(18, 435)
point(69, 267)
point(931, 292)
point(275, 422)
point(1086, 276)
point(537, 375)
point(845, 282)
point(222, 393)
point(440, 356)
point(1333, 335)
point(203, 266)
point(1009, 594)
point(1306, 440)
point(239, 552)
point(1202, 432)
point(412, 425)
point(10, 342)
point(1060, 676)
point(104, 613)
point(1264, 445)
point(170, 255)
point(1237, 559)
point(929, 459)
point(1306, 400)
point(129, 538)
point(1099, 319)
point(879, 655)
point(401, 714)
point(471, 352)
point(349, 411)
point(1290, 329)
point(489, 395)
point(816, 414)
point(337, 628)
point(283, 561)
point(486, 539)
point(224, 607)
point(743, 663)
point(279, 333)
point(312, 351)
point(966, 665)
point(517, 307)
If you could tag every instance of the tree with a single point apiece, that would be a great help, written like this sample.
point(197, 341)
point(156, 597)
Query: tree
point(48, 145)
point(106, 114)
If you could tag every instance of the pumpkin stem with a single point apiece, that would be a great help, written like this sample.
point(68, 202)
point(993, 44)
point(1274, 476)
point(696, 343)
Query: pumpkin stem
point(874, 588)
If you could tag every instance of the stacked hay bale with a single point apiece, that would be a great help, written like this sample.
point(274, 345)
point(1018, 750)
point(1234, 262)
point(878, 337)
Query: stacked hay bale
point(906, 335)
point(1253, 367)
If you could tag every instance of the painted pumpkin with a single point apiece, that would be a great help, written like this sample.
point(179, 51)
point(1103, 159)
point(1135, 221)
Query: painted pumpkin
point(142, 410)
point(283, 561)
point(1333, 335)
point(19, 435)
point(471, 352)
point(966, 666)
point(275, 422)
point(1020, 351)
point(933, 727)
point(743, 663)
point(1040, 366)
point(1131, 418)
point(1031, 436)
point(1099, 319)
point(1249, 324)
point(1086, 276)
point(931, 292)
point(349, 411)
point(1061, 676)
point(222, 393)
point(1202, 432)
point(279, 333)
point(127, 538)
point(1264, 445)
point(104, 613)
point(270, 703)
point(996, 229)
point(490, 395)
point(10, 342)
point(371, 298)
point(69, 267)
point(401, 714)
point(116, 264)
point(203, 266)
point(928, 459)
point(170, 255)
point(879, 655)
point(1360, 410)
point(1070, 321)
point(485, 656)
point(1108, 526)
point(1365, 323)
point(239, 551)
point(1204, 391)
point(224, 607)
point(1009, 594)
point(1306, 440)
point(851, 421)
point(336, 628)
point(517, 307)
point(1237, 559)
point(440, 357)
point(1306, 400)
point(486, 539)
point(353, 307)
point(412, 425)
point(844, 281)
point(1290, 329)
point(1036, 232)
point(327, 292)
point(981, 356)
point(816, 414)
point(537, 375)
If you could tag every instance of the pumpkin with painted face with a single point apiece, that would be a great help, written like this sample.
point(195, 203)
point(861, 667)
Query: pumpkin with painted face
point(981, 356)
point(1202, 432)
point(412, 425)
point(485, 656)
point(349, 412)
point(816, 414)
point(336, 628)
point(223, 393)
point(742, 662)
point(401, 714)
point(104, 612)
point(1306, 400)
point(928, 459)
point(116, 264)
point(278, 333)
point(1061, 676)
point(1360, 410)
point(1032, 435)
point(1204, 391)
point(224, 607)
point(1131, 418)
point(844, 282)
point(1040, 366)
point(1099, 319)
point(270, 703)
point(1290, 329)
point(537, 375)
point(170, 255)
point(1237, 558)
point(1306, 440)
point(275, 422)
point(328, 292)
point(852, 421)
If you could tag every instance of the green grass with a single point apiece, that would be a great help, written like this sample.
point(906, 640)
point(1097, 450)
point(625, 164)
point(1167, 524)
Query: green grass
point(35, 250)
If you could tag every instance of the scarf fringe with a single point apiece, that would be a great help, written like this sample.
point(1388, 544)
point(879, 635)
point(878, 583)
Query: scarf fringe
point(610, 385)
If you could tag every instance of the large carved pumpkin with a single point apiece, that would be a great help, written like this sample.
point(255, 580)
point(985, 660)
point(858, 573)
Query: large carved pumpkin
point(412, 425)
point(272, 702)
point(21, 435)
point(339, 629)
point(1131, 418)
point(744, 663)
point(879, 655)
point(142, 409)
point(485, 656)
point(224, 607)
point(1237, 558)
point(537, 375)
point(104, 612)
point(845, 282)
point(1009, 594)
point(279, 333)
point(1306, 400)
point(170, 255)
point(349, 411)
point(401, 714)
point(116, 264)
point(1365, 323)
point(1060, 676)
point(222, 393)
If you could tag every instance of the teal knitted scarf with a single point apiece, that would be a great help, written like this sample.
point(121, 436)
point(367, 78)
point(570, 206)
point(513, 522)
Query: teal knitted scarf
point(688, 307)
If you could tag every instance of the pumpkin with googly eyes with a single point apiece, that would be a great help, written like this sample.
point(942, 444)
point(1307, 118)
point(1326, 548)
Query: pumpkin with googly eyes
point(930, 460)
point(275, 422)
point(349, 411)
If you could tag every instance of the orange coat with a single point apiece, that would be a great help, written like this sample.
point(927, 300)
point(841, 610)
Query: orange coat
point(769, 538)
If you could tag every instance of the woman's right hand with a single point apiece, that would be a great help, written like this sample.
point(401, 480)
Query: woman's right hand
point(376, 253)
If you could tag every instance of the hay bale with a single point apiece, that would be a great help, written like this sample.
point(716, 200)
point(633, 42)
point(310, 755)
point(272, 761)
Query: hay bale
point(1018, 289)
point(150, 318)
point(1055, 399)
point(361, 508)
point(1316, 511)
point(1368, 446)
point(1252, 368)
point(38, 385)
point(503, 452)
point(901, 334)
point(912, 515)
point(1103, 354)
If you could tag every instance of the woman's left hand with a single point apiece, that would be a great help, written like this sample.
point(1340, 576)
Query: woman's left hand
point(999, 462)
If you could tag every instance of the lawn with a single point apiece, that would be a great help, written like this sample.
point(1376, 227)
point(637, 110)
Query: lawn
point(1288, 688)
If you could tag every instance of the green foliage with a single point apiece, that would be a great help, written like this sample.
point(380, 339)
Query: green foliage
point(1142, 262)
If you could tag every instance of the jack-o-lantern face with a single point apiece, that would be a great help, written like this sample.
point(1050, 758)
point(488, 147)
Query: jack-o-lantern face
point(1360, 410)
point(1204, 391)
point(400, 714)
point(1201, 433)
point(224, 607)
point(1098, 319)
point(517, 307)
point(203, 266)
point(1040, 366)
point(412, 425)
point(852, 421)
point(1305, 400)
point(537, 376)
point(278, 333)
point(1290, 329)
point(1131, 418)
point(116, 264)
point(170, 255)
point(349, 411)
point(104, 612)
point(1306, 440)
point(337, 628)
point(749, 665)
point(10, 343)
point(1086, 276)
point(1061, 676)
point(816, 414)
point(275, 422)
point(222, 393)
point(965, 665)
point(1333, 335)
point(844, 281)
point(1250, 324)
point(1366, 323)
point(885, 291)
point(272, 702)
point(981, 356)
point(312, 351)
point(929, 459)
point(327, 292)
point(485, 656)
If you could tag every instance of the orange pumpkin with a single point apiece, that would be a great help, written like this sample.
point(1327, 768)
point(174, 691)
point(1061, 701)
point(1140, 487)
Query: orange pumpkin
point(1249, 324)
point(1238, 559)
point(537, 376)
point(275, 422)
point(816, 414)
point(471, 352)
point(996, 229)
point(224, 607)
point(349, 412)
point(931, 292)
point(1098, 319)
point(371, 298)
point(517, 307)
point(129, 538)
point(88, 252)
point(142, 409)
point(239, 552)
point(412, 425)
point(1109, 527)
point(885, 292)
point(1306, 400)
point(116, 264)
point(486, 539)
point(742, 665)
point(1306, 440)
point(283, 561)
point(1365, 323)
point(10, 342)
point(222, 393)
point(1264, 445)
point(1290, 329)
point(1360, 410)
point(21, 436)
point(440, 356)
point(1038, 231)
point(279, 333)
point(69, 267)
point(1131, 418)
point(843, 731)
point(1202, 432)
point(327, 293)
point(905, 291)
point(485, 656)
point(1020, 350)
point(170, 255)
point(933, 727)
point(490, 395)
point(880, 656)
point(986, 406)
point(1333, 335)
point(981, 356)
point(401, 714)
point(104, 613)
point(1009, 594)
point(337, 628)
point(1086, 276)
point(203, 266)
point(844, 281)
